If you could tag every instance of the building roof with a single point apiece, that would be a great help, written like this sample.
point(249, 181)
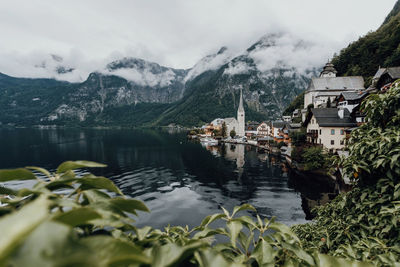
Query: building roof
point(265, 138)
point(230, 120)
point(379, 73)
point(337, 83)
point(295, 125)
point(328, 93)
point(278, 124)
point(329, 67)
point(394, 72)
point(353, 95)
point(328, 117)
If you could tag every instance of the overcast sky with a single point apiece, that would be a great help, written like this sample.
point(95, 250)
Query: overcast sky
point(175, 33)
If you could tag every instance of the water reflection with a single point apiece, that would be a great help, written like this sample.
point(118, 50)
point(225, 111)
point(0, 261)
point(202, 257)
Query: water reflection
point(180, 181)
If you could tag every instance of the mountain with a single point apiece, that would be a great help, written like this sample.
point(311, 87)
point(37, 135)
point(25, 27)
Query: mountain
point(135, 92)
point(266, 90)
point(24, 101)
point(125, 82)
point(379, 48)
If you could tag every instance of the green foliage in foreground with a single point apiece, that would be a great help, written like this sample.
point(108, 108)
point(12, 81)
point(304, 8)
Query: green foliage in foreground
point(70, 220)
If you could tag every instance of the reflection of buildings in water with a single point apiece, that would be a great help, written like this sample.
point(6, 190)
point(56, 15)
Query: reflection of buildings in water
point(236, 153)
point(263, 157)
point(285, 170)
point(215, 150)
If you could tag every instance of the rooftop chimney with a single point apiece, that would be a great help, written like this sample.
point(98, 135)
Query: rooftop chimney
point(341, 112)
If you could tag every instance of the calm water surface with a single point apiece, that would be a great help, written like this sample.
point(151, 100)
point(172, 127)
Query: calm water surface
point(180, 181)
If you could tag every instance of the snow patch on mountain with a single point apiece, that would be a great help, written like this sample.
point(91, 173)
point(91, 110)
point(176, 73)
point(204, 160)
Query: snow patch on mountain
point(210, 62)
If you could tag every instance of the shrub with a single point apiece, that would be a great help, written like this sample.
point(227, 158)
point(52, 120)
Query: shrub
point(314, 158)
point(298, 138)
point(281, 144)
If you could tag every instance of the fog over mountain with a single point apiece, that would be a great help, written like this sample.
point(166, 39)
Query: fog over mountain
point(88, 35)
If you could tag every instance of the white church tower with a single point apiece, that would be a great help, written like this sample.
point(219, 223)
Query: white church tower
point(240, 116)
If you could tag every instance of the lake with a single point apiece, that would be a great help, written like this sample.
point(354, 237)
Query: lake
point(179, 180)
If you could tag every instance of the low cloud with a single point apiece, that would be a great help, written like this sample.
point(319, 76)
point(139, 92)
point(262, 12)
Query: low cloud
point(285, 50)
point(239, 67)
point(144, 77)
point(210, 62)
point(291, 51)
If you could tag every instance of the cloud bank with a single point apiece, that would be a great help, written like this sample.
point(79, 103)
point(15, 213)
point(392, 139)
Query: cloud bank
point(175, 33)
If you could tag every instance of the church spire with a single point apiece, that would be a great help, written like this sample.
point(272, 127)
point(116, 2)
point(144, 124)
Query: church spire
point(240, 117)
point(241, 109)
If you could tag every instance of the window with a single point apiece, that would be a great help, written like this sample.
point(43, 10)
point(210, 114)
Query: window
point(320, 131)
point(320, 140)
point(332, 131)
point(332, 142)
point(342, 142)
point(341, 132)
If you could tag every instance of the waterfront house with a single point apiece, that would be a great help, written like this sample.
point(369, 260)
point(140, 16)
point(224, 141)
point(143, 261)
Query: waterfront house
point(251, 128)
point(263, 141)
point(264, 129)
point(328, 86)
point(276, 130)
point(287, 129)
point(216, 124)
point(327, 127)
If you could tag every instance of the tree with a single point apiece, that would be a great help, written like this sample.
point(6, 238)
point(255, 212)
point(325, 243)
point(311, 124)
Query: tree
point(232, 133)
point(215, 132)
point(298, 138)
point(314, 158)
point(223, 130)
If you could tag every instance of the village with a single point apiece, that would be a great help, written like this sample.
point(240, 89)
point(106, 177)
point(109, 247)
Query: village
point(306, 138)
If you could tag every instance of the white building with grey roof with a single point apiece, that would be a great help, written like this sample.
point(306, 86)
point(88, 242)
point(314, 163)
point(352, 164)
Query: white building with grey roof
point(327, 127)
point(328, 86)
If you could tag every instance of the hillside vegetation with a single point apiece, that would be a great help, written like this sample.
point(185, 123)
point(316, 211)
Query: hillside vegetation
point(379, 48)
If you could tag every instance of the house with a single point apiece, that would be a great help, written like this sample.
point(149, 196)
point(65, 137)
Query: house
point(276, 127)
point(384, 77)
point(328, 86)
point(327, 127)
point(351, 101)
point(264, 129)
point(251, 128)
point(287, 118)
point(296, 113)
point(262, 141)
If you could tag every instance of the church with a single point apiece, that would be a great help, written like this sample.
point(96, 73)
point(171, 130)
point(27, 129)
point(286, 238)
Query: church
point(237, 124)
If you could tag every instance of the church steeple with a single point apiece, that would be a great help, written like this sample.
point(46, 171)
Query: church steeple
point(240, 116)
point(328, 71)
point(241, 109)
